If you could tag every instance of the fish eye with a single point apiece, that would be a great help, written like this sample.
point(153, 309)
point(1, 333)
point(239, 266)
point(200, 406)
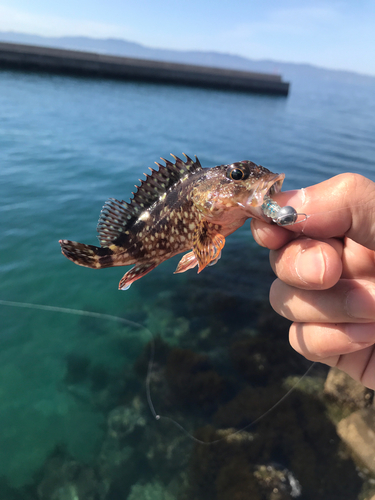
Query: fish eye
point(236, 174)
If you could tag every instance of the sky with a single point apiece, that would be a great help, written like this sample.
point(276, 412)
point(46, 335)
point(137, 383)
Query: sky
point(335, 34)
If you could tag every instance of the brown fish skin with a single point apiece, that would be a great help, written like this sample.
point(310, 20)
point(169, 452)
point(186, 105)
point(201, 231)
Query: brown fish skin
point(177, 208)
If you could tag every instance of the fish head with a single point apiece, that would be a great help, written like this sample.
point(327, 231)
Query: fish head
point(230, 194)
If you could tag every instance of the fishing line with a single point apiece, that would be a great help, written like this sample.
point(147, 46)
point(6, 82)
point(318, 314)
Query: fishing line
point(81, 312)
point(251, 424)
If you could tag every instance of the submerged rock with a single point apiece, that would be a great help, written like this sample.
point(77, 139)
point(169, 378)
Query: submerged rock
point(298, 434)
point(342, 388)
point(149, 491)
point(358, 432)
point(124, 420)
point(119, 464)
point(66, 479)
point(278, 482)
point(192, 380)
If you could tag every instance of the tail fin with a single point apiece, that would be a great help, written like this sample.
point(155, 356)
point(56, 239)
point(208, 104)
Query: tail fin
point(87, 255)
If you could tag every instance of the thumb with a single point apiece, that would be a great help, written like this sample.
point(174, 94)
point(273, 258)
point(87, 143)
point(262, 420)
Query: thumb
point(341, 206)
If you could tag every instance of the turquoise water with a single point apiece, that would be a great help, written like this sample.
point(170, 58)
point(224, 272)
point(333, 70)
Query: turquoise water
point(67, 145)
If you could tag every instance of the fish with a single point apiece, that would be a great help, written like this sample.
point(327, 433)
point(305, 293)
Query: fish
point(180, 207)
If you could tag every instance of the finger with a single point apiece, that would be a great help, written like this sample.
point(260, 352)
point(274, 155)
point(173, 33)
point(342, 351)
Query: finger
point(342, 205)
point(358, 261)
point(270, 235)
point(308, 264)
point(360, 365)
point(346, 302)
point(322, 342)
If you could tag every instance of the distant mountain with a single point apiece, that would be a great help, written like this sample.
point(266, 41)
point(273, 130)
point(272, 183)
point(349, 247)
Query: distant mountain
point(113, 46)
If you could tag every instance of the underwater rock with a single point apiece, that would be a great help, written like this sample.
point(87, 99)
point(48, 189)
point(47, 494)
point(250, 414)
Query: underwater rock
point(263, 355)
point(149, 491)
point(194, 388)
point(278, 482)
point(122, 459)
point(192, 380)
point(113, 455)
point(236, 480)
point(278, 437)
point(160, 350)
point(124, 420)
point(342, 388)
point(210, 305)
point(66, 479)
point(223, 471)
point(118, 469)
point(358, 432)
point(120, 466)
point(257, 360)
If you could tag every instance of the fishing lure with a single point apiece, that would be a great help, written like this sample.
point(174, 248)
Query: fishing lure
point(282, 216)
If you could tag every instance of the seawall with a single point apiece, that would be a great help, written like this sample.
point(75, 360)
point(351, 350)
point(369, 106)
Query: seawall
point(72, 62)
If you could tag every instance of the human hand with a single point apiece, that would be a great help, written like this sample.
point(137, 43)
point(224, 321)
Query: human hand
point(326, 273)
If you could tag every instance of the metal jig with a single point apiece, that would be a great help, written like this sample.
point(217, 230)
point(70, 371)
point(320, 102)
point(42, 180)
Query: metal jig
point(282, 216)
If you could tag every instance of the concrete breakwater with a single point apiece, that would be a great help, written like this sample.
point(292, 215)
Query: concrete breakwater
point(36, 58)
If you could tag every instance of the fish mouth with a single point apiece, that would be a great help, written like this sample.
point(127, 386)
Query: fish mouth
point(274, 185)
point(267, 187)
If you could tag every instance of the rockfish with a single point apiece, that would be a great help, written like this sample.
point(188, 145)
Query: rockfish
point(179, 207)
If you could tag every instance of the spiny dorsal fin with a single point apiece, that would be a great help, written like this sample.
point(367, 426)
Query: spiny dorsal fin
point(117, 217)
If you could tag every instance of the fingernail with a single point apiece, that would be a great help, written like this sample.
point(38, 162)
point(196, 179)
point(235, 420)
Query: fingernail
point(295, 198)
point(310, 266)
point(360, 304)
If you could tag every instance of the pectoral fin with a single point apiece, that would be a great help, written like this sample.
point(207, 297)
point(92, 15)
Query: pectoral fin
point(135, 273)
point(207, 245)
point(188, 261)
point(213, 262)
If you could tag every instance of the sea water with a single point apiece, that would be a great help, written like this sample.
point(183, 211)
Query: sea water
point(66, 146)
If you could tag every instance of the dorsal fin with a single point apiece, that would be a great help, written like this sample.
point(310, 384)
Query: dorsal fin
point(117, 217)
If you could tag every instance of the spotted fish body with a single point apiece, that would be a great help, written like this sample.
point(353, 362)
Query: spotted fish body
point(179, 207)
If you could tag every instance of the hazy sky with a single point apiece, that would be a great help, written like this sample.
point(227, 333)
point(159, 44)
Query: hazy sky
point(336, 34)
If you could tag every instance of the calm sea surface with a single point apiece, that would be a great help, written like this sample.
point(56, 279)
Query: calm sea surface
point(72, 387)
